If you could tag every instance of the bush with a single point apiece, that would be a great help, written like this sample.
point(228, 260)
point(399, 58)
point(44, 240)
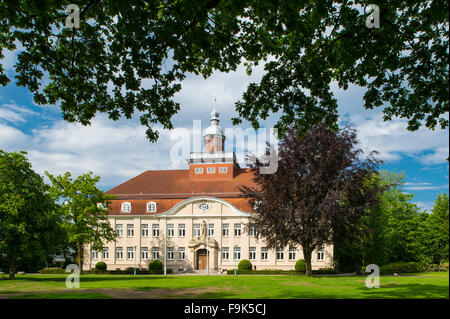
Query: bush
point(324, 271)
point(443, 267)
point(245, 264)
point(52, 270)
point(156, 267)
point(262, 272)
point(402, 267)
point(300, 265)
point(100, 266)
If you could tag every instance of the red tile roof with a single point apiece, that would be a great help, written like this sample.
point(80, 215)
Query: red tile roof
point(177, 184)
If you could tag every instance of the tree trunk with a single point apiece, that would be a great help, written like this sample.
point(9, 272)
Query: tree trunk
point(307, 255)
point(12, 266)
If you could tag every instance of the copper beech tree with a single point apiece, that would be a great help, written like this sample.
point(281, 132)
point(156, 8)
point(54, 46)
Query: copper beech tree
point(322, 186)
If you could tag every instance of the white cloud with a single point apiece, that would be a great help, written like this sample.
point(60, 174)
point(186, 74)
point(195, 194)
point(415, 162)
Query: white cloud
point(425, 206)
point(12, 139)
point(393, 141)
point(14, 113)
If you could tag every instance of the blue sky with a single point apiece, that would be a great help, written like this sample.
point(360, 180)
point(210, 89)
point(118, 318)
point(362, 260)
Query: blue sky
point(118, 151)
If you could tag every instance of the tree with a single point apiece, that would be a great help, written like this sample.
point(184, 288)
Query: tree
point(394, 230)
point(436, 231)
point(85, 211)
point(129, 57)
point(321, 187)
point(29, 221)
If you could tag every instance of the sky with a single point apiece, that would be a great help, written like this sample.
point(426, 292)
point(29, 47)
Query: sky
point(118, 151)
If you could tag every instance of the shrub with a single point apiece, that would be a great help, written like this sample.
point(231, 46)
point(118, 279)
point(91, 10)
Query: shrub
point(245, 264)
point(262, 272)
point(300, 265)
point(156, 267)
point(401, 267)
point(52, 270)
point(324, 271)
point(100, 266)
point(443, 267)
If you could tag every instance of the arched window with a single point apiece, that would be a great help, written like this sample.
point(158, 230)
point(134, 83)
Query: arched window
point(151, 207)
point(126, 207)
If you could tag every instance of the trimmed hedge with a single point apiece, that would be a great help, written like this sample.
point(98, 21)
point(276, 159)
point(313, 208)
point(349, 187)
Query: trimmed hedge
point(401, 267)
point(100, 266)
point(245, 264)
point(128, 271)
point(300, 265)
point(262, 272)
point(52, 270)
point(325, 271)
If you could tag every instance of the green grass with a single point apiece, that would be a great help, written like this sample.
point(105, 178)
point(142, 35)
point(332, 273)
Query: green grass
point(63, 295)
point(425, 285)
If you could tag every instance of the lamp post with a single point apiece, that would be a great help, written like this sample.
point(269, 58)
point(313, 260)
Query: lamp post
point(165, 250)
point(135, 251)
point(207, 252)
point(235, 260)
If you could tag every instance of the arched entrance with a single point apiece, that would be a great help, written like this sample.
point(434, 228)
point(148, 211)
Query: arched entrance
point(202, 259)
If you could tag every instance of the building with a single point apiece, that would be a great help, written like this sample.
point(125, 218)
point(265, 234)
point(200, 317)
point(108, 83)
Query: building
point(178, 216)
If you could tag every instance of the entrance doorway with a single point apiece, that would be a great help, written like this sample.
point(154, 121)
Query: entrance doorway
point(202, 259)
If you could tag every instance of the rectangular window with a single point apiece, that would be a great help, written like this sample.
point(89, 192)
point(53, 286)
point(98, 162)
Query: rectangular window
point(264, 254)
point(155, 230)
point(210, 170)
point(320, 254)
point(144, 230)
point(252, 230)
point(280, 253)
point(130, 230)
point(144, 252)
point(181, 253)
point(237, 229)
point(130, 252)
point(155, 252)
point(170, 230)
point(105, 253)
point(210, 230)
point(225, 253)
point(199, 170)
point(181, 230)
point(197, 230)
point(222, 169)
point(119, 230)
point(170, 254)
point(119, 252)
point(292, 251)
point(94, 254)
point(225, 230)
point(252, 253)
point(237, 253)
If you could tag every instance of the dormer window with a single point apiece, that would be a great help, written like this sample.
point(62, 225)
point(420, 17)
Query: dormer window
point(151, 207)
point(211, 170)
point(126, 207)
point(223, 169)
point(199, 170)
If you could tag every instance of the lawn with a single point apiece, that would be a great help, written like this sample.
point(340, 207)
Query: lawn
point(426, 285)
